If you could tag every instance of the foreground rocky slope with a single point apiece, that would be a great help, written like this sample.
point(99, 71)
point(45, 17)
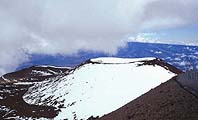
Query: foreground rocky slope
point(94, 88)
point(175, 99)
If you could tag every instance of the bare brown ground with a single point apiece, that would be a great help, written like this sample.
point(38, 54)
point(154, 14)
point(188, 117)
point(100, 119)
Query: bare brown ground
point(169, 101)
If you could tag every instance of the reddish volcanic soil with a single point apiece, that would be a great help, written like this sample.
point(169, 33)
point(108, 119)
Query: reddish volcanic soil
point(169, 101)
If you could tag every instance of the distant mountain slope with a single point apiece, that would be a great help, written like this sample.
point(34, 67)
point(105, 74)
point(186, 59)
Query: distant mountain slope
point(33, 74)
point(99, 86)
point(169, 101)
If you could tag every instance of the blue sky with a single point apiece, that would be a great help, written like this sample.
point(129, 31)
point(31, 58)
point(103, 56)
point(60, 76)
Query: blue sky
point(64, 27)
point(181, 35)
point(185, 35)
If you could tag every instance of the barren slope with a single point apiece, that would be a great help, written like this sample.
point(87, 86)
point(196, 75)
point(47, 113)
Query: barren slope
point(169, 101)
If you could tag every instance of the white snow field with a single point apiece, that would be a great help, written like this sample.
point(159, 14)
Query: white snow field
point(96, 89)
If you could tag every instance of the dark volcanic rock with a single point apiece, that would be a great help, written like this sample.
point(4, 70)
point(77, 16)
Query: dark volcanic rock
point(162, 64)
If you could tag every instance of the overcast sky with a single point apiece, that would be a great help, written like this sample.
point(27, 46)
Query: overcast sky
point(67, 26)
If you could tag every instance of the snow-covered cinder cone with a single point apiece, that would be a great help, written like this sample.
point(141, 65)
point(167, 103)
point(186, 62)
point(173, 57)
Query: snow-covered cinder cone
point(99, 86)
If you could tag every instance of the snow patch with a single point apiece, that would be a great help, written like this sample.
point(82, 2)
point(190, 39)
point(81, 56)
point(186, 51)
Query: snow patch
point(45, 66)
point(113, 60)
point(43, 73)
point(5, 79)
point(24, 83)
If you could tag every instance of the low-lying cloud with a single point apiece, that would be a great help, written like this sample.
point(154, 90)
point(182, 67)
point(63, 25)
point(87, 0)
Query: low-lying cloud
point(67, 26)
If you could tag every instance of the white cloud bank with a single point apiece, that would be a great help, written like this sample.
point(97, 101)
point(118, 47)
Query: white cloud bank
point(67, 26)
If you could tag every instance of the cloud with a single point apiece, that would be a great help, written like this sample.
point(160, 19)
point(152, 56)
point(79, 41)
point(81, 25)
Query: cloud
point(67, 26)
point(170, 13)
point(144, 37)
